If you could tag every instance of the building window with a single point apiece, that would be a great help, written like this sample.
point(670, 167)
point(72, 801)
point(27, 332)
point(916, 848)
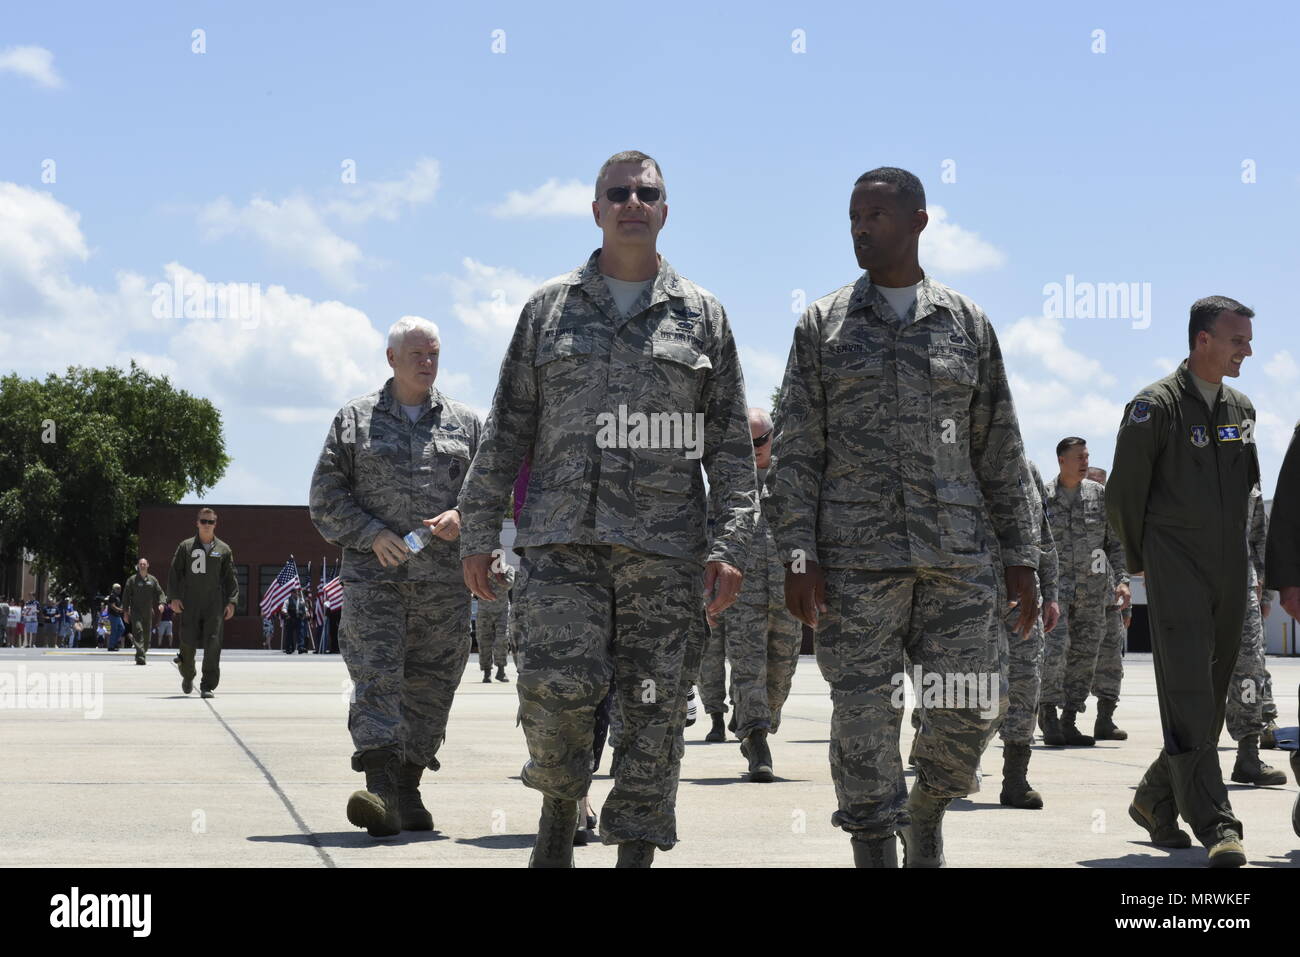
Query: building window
point(241, 577)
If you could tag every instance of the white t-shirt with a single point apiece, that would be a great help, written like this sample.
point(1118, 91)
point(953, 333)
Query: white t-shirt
point(625, 293)
point(412, 411)
point(900, 298)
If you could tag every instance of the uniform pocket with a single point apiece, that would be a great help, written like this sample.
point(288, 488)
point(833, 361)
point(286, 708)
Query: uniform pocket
point(961, 508)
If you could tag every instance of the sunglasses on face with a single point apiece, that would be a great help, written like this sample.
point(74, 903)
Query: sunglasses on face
point(207, 521)
point(647, 194)
point(763, 439)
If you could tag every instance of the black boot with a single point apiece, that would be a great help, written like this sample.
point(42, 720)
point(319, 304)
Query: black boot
point(376, 808)
point(487, 676)
point(755, 748)
point(1249, 769)
point(501, 673)
point(415, 816)
point(717, 733)
point(875, 851)
point(1016, 791)
point(1071, 733)
point(1103, 729)
point(923, 837)
point(636, 854)
point(554, 847)
point(1050, 725)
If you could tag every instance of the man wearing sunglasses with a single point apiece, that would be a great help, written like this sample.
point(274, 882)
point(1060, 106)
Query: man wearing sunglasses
point(616, 561)
point(204, 592)
point(760, 638)
point(897, 489)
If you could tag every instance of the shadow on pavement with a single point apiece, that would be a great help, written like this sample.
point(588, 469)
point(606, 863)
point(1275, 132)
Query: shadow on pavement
point(357, 838)
point(1191, 857)
point(741, 778)
point(500, 842)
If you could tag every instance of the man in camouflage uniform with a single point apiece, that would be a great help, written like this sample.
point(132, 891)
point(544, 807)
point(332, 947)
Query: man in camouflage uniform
point(1109, 673)
point(1025, 663)
point(1178, 498)
point(713, 680)
point(616, 560)
point(762, 639)
point(1249, 690)
point(392, 466)
point(142, 597)
point(492, 626)
point(1085, 544)
point(204, 592)
point(898, 457)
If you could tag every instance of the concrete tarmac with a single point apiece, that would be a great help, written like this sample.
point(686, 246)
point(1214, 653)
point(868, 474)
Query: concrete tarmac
point(108, 764)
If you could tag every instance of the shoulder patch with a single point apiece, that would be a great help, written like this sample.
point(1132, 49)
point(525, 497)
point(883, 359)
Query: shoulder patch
point(1140, 411)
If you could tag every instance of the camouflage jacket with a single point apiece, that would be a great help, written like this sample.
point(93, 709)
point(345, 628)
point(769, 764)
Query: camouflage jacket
point(1048, 562)
point(764, 582)
point(897, 444)
point(379, 470)
point(1185, 469)
point(1090, 558)
point(1257, 537)
point(576, 380)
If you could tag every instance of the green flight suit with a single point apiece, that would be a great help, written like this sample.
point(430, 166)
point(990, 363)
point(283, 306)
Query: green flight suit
point(141, 596)
point(1178, 500)
point(203, 578)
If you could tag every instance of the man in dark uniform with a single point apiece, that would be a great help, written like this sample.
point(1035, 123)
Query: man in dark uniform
point(143, 596)
point(1282, 558)
point(1185, 462)
point(204, 592)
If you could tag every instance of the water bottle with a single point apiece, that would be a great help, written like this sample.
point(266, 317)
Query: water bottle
point(418, 538)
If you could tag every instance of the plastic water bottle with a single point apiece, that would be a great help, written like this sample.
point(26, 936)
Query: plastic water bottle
point(418, 538)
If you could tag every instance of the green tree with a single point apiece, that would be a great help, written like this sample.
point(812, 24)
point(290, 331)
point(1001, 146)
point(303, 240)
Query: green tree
point(776, 398)
point(80, 454)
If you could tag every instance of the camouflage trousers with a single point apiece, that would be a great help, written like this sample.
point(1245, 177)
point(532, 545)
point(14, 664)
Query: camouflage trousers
point(1024, 668)
point(589, 613)
point(493, 632)
point(406, 645)
point(1110, 657)
point(762, 645)
point(1070, 653)
point(713, 670)
point(1250, 693)
point(941, 620)
point(140, 633)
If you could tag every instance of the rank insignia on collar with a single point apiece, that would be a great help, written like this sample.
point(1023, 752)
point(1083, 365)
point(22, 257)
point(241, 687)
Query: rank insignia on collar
point(1200, 436)
point(1140, 412)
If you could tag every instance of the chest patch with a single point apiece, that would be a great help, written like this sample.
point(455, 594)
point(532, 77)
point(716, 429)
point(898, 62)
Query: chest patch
point(1200, 436)
point(1229, 433)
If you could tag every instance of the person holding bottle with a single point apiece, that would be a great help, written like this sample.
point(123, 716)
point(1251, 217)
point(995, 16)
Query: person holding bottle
point(385, 490)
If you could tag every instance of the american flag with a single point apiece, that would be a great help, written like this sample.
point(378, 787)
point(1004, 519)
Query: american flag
point(318, 606)
point(333, 593)
point(280, 589)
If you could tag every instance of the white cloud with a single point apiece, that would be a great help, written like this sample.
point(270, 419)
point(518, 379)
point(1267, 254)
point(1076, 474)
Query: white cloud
point(296, 229)
point(553, 198)
point(948, 248)
point(293, 229)
point(35, 63)
point(1283, 368)
point(763, 372)
point(385, 199)
point(1043, 339)
point(487, 300)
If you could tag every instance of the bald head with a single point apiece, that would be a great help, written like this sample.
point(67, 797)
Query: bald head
point(760, 427)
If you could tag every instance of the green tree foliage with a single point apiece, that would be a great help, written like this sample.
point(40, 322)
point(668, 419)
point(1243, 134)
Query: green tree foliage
point(81, 452)
point(776, 398)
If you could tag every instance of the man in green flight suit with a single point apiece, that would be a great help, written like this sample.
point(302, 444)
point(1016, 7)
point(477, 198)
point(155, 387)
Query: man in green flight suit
point(204, 592)
point(1185, 464)
point(142, 597)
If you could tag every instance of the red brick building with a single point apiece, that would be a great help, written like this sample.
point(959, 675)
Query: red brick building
point(261, 538)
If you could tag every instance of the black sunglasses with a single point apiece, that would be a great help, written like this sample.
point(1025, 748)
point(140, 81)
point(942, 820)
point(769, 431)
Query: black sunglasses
point(207, 521)
point(762, 439)
point(647, 194)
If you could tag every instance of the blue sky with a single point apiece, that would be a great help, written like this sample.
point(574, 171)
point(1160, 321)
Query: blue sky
point(1122, 166)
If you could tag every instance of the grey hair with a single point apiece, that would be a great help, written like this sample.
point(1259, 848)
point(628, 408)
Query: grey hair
point(407, 324)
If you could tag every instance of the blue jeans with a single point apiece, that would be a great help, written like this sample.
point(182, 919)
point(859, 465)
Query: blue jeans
point(116, 628)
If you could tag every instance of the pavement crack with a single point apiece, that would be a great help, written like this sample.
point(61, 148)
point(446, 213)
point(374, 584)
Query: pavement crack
point(275, 786)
